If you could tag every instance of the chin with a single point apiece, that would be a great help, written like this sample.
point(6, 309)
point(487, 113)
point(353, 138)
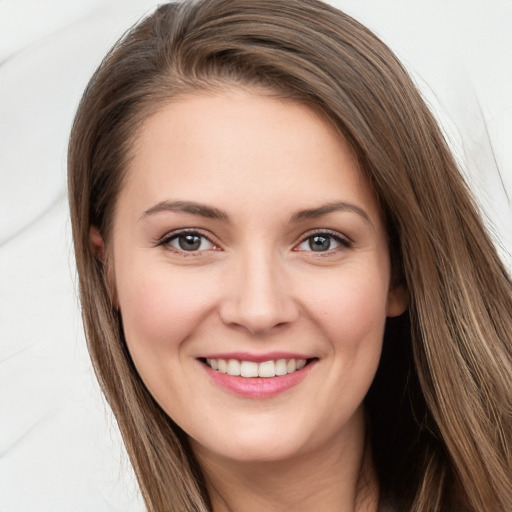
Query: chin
point(261, 443)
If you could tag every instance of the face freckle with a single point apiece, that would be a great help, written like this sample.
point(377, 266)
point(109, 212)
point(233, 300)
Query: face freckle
point(245, 233)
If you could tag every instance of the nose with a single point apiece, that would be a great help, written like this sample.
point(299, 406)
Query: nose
point(258, 295)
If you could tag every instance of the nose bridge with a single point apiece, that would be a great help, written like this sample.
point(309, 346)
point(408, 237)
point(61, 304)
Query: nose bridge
point(259, 297)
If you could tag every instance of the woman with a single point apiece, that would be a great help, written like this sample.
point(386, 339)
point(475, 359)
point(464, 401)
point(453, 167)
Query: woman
point(289, 298)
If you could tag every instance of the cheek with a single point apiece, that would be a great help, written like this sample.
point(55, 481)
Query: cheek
point(350, 308)
point(160, 311)
point(160, 308)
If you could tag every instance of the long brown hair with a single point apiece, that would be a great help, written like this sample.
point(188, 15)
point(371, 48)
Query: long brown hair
point(440, 408)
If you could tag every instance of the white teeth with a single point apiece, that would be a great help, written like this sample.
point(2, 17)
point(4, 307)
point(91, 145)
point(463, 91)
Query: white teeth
point(213, 363)
point(248, 369)
point(281, 367)
point(291, 366)
point(265, 369)
point(233, 367)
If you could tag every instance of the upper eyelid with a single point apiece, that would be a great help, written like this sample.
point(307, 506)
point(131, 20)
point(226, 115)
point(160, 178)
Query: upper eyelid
point(344, 241)
point(185, 231)
point(319, 231)
point(303, 237)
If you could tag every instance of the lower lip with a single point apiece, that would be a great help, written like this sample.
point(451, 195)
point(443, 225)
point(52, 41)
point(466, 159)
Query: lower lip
point(258, 387)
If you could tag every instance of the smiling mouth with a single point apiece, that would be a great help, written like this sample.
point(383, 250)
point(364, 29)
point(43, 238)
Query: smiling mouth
point(265, 369)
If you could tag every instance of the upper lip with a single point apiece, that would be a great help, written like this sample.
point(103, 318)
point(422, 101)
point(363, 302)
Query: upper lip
point(256, 358)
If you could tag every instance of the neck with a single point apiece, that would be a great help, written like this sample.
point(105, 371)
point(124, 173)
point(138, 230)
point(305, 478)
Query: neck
point(327, 479)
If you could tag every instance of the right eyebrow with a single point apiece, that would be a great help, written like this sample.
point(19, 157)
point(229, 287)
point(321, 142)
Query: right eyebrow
point(188, 207)
point(338, 206)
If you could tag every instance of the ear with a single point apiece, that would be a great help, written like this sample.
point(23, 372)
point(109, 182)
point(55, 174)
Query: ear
point(398, 300)
point(97, 243)
point(98, 247)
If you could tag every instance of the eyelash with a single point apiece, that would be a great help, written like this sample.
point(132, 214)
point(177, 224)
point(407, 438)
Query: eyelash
point(344, 243)
point(176, 235)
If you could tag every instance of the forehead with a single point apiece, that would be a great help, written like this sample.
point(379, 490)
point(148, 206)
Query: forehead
point(242, 145)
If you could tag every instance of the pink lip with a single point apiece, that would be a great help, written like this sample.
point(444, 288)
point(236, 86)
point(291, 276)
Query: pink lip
point(256, 358)
point(258, 387)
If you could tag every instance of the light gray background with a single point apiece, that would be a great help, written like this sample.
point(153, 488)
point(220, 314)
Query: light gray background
point(59, 446)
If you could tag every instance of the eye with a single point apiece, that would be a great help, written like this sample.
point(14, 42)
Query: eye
point(190, 241)
point(323, 242)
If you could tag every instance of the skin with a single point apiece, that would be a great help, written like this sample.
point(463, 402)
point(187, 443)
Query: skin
point(255, 285)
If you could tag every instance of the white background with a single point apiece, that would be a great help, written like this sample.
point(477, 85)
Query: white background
point(59, 446)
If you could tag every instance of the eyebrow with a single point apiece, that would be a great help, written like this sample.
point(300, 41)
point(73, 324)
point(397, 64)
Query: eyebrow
point(187, 207)
point(215, 213)
point(338, 206)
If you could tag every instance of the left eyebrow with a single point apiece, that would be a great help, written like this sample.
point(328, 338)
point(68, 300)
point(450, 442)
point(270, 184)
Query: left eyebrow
point(191, 207)
point(320, 211)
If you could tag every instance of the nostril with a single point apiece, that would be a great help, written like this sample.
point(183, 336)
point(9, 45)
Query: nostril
point(257, 296)
point(258, 318)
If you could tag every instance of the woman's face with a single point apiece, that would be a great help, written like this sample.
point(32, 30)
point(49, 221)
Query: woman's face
point(246, 240)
